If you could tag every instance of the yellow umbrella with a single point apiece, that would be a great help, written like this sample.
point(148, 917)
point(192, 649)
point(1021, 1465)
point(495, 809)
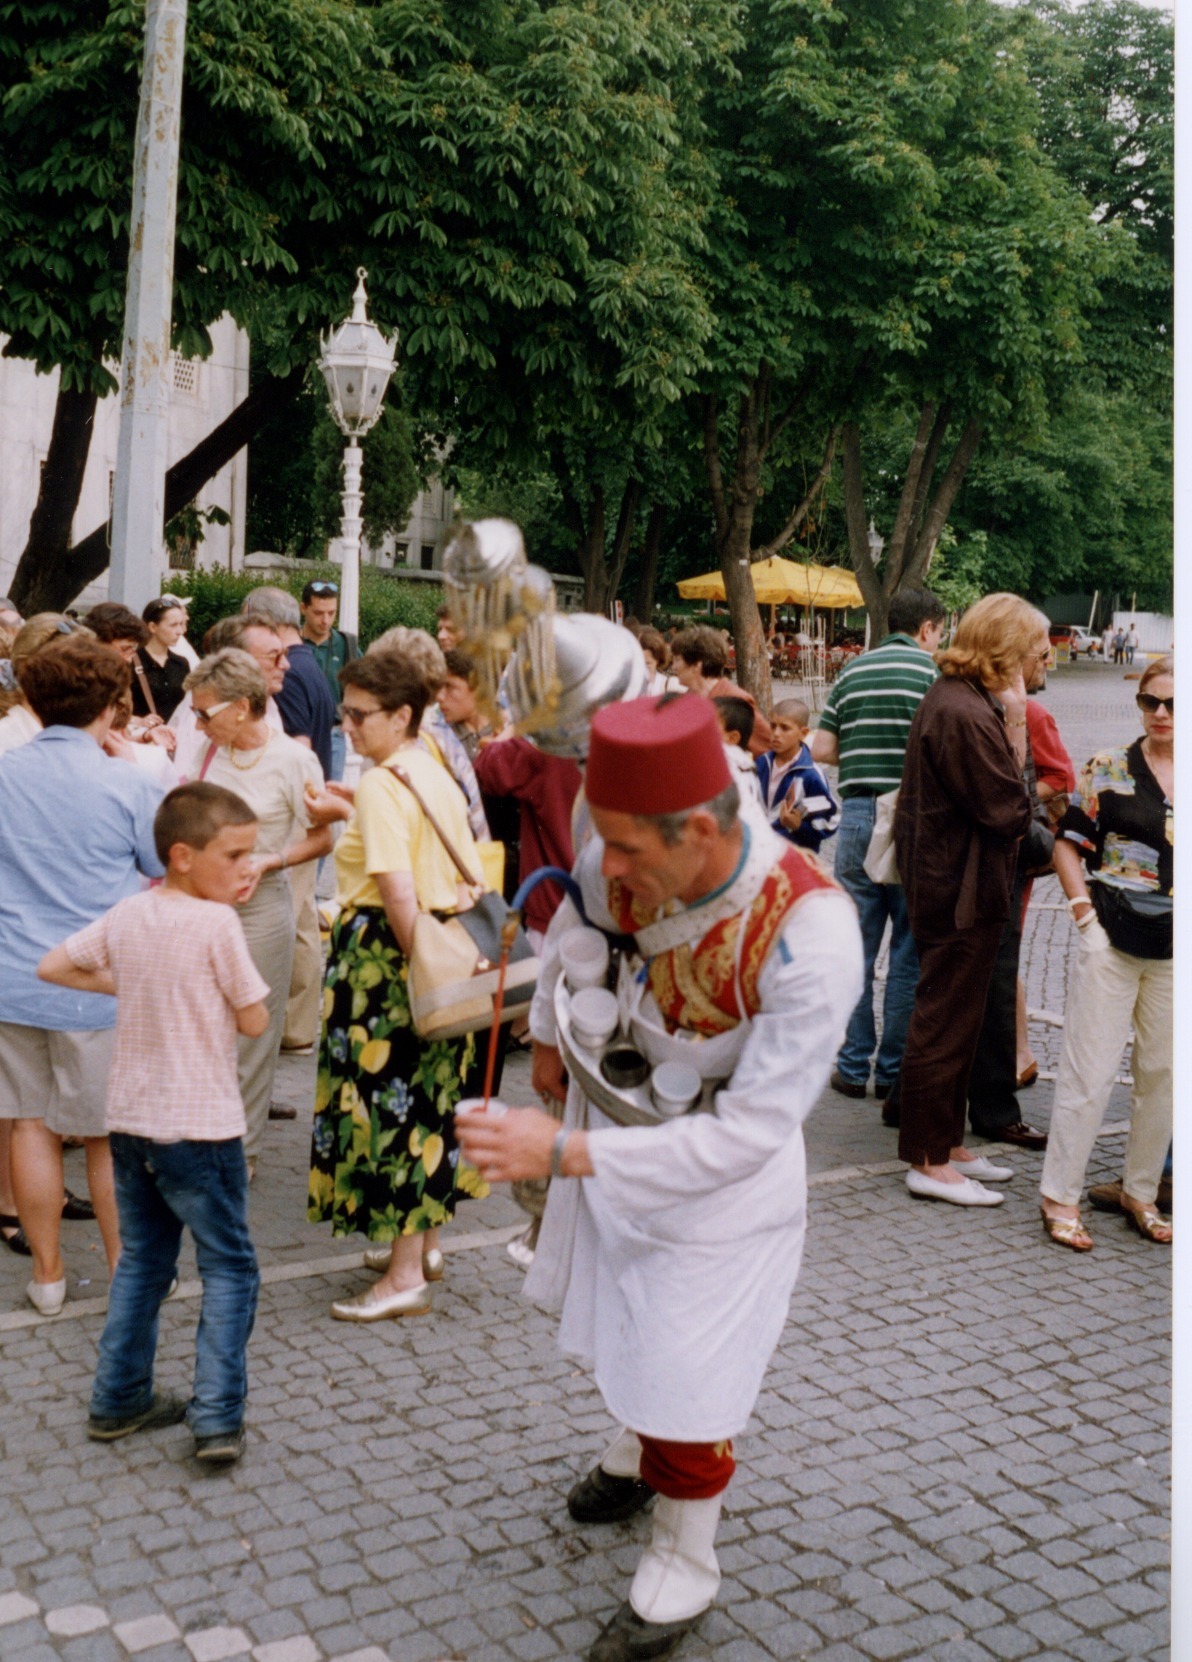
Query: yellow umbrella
point(779, 582)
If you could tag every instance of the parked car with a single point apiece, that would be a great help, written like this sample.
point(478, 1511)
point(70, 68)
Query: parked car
point(1078, 638)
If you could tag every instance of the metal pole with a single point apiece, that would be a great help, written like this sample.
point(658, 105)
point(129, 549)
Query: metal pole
point(142, 454)
point(349, 584)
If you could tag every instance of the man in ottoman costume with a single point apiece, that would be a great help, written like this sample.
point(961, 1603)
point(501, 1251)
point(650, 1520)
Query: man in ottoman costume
point(673, 1256)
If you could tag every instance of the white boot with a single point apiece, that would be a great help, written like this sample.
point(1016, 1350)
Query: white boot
point(623, 1457)
point(678, 1576)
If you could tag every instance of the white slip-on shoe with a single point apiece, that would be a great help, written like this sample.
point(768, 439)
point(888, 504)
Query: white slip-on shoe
point(47, 1296)
point(985, 1169)
point(964, 1193)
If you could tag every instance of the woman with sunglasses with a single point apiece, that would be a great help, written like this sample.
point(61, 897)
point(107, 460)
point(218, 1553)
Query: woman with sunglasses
point(1114, 859)
point(273, 774)
point(384, 1161)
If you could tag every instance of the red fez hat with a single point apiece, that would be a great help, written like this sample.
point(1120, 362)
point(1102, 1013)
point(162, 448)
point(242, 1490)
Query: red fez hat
point(656, 755)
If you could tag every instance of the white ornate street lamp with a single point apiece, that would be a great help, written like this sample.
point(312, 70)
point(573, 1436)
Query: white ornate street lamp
point(357, 362)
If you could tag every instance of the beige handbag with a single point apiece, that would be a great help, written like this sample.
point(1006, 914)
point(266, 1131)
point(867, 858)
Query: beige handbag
point(453, 970)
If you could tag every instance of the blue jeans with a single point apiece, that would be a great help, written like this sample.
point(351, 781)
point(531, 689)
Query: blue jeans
point(159, 1188)
point(876, 902)
point(339, 751)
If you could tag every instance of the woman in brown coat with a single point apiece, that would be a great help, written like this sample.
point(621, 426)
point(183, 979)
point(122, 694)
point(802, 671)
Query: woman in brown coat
point(962, 810)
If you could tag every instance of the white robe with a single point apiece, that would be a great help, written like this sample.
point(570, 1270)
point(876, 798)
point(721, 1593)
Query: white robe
point(673, 1266)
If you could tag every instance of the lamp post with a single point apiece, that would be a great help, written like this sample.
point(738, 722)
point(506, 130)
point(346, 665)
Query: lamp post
point(138, 501)
point(356, 362)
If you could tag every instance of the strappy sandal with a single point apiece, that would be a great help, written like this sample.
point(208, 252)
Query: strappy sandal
point(1150, 1224)
point(18, 1241)
point(1068, 1232)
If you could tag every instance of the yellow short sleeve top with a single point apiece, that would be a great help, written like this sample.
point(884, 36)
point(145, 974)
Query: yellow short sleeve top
point(388, 833)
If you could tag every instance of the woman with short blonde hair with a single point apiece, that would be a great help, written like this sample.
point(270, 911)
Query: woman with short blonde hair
point(231, 674)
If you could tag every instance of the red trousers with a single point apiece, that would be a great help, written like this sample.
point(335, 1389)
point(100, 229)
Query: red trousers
point(687, 1471)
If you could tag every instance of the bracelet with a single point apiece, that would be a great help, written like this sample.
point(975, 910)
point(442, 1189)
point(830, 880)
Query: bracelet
point(556, 1152)
point(1078, 900)
point(1021, 723)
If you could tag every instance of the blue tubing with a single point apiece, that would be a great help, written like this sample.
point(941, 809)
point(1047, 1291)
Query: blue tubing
point(550, 874)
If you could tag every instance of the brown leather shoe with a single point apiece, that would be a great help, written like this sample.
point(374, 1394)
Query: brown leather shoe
point(1107, 1197)
point(848, 1087)
point(1025, 1136)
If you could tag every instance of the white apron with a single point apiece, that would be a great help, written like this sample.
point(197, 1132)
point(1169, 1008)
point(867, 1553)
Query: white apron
point(672, 1267)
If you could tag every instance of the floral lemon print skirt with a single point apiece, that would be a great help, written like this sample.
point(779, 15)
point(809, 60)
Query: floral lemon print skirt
point(384, 1160)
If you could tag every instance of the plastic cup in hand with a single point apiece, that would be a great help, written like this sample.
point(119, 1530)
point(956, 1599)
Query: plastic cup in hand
point(476, 1105)
point(584, 955)
point(594, 1016)
point(674, 1087)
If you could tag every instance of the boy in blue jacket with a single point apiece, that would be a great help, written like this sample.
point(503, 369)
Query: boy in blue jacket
point(798, 800)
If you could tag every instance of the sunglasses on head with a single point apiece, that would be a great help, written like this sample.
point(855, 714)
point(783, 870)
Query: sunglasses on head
point(323, 588)
point(1149, 703)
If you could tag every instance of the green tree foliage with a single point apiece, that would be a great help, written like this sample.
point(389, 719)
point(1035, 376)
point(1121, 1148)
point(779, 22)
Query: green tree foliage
point(296, 476)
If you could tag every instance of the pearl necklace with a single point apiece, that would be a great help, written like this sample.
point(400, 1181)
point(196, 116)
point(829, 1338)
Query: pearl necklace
point(246, 767)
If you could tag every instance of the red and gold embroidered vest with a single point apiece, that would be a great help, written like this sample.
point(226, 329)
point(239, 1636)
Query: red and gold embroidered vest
point(694, 986)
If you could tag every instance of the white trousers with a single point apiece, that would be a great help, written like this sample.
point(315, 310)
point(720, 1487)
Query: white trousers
point(1109, 991)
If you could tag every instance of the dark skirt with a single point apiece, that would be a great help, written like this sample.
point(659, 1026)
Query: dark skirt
point(384, 1160)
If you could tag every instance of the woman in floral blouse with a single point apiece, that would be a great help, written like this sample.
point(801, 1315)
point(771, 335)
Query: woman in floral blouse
point(1114, 859)
point(384, 1162)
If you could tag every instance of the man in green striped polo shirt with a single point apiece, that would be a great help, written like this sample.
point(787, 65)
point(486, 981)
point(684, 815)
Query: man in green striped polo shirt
point(863, 729)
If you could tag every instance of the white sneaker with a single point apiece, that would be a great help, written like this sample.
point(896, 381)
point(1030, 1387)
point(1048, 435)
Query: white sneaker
point(964, 1193)
point(47, 1296)
point(979, 1166)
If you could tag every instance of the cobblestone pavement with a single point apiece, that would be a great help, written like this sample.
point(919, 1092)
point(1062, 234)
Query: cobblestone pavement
point(961, 1450)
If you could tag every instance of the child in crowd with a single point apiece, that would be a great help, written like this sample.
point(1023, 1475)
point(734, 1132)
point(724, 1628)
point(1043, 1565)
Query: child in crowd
point(735, 716)
point(176, 959)
point(798, 801)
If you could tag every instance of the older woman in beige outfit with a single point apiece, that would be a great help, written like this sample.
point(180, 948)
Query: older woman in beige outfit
point(272, 773)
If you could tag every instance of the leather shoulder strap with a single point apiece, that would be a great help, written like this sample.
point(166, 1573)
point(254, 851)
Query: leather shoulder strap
point(138, 670)
point(470, 878)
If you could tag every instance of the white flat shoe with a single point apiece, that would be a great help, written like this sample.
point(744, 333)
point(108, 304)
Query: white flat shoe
point(47, 1296)
point(979, 1166)
point(964, 1193)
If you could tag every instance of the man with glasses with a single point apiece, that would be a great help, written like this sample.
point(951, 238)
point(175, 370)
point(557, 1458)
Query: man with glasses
point(332, 649)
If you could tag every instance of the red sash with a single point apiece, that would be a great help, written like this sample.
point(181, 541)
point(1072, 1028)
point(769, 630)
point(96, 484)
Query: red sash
point(694, 986)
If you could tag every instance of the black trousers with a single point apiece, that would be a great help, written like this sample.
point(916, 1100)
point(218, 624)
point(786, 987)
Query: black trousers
point(992, 1102)
point(954, 975)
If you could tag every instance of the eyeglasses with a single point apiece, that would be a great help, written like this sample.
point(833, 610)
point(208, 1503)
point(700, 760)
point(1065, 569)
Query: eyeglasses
point(204, 716)
point(65, 627)
point(323, 588)
point(350, 712)
point(271, 657)
point(1148, 703)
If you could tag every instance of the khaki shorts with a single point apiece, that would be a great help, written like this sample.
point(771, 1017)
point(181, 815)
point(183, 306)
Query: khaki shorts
point(61, 1078)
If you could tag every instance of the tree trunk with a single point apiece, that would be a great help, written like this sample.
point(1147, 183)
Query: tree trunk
point(647, 577)
point(735, 549)
point(58, 492)
point(590, 553)
point(630, 500)
point(51, 585)
point(936, 516)
point(872, 589)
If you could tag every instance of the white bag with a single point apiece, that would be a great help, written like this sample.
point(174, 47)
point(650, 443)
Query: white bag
point(880, 864)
